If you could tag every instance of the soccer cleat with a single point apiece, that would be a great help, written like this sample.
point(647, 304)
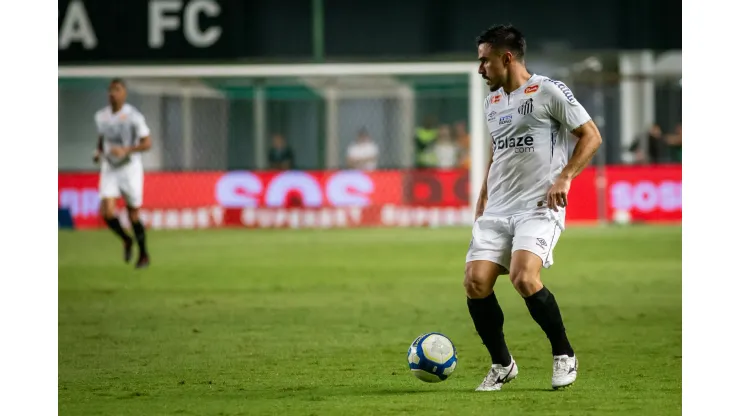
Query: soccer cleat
point(499, 375)
point(128, 250)
point(143, 262)
point(564, 371)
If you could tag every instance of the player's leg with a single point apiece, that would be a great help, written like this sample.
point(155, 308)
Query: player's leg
point(525, 275)
point(534, 241)
point(132, 188)
point(488, 257)
point(109, 193)
point(488, 318)
point(140, 234)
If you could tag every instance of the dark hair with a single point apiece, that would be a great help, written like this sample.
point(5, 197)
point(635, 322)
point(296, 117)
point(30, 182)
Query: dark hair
point(504, 37)
point(118, 81)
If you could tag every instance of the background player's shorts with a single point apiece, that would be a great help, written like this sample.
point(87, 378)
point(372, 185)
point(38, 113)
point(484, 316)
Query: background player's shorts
point(126, 181)
point(496, 238)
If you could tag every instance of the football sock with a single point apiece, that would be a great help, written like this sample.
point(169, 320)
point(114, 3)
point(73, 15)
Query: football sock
point(140, 237)
point(115, 225)
point(488, 319)
point(545, 311)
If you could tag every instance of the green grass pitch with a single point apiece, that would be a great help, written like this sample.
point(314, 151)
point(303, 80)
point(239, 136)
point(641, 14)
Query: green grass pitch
point(230, 322)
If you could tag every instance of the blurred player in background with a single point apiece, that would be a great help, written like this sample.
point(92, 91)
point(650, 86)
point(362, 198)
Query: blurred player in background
point(362, 154)
point(280, 154)
point(122, 136)
point(521, 207)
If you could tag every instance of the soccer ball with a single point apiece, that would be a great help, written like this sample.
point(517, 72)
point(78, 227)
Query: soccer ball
point(621, 217)
point(432, 357)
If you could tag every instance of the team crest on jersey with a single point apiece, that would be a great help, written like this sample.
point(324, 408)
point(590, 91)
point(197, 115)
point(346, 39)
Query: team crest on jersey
point(526, 107)
point(531, 89)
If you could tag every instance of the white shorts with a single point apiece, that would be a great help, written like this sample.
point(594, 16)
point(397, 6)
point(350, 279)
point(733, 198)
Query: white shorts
point(496, 238)
point(126, 181)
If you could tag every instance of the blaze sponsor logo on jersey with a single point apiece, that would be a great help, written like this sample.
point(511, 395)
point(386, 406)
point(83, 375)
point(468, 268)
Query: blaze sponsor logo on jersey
point(531, 89)
point(505, 120)
point(526, 107)
point(523, 144)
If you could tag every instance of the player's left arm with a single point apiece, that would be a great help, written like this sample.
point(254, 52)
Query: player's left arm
point(144, 141)
point(144, 144)
point(568, 111)
point(589, 140)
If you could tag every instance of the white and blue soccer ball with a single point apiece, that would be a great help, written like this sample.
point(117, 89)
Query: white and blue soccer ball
point(432, 357)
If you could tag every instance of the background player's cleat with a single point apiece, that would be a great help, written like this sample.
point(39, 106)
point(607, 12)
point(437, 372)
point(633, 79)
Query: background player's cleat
point(128, 250)
point(498, 375)
point(143, 262)
point(564, 371)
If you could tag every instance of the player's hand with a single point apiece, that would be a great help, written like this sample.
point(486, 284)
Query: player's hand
point(557, 196)
point(119, 151)
point(96, 157)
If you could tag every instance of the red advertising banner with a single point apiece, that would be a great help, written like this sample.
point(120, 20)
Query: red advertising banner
point(353, 198)
point(649, 194)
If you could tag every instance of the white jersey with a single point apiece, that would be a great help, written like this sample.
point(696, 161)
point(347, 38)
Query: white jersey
point(124, 128)
point(368, 151)
point(529, 138)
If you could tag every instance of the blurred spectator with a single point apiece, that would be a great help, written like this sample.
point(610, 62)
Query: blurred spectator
point(424, 139)
point(280, 155)
point(445, 149)
point(463, 143)
point(673, 140)
point(362, 154)
point(655, 146)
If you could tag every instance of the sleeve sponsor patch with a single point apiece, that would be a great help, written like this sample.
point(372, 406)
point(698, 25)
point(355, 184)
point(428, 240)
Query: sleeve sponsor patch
point(565, 90)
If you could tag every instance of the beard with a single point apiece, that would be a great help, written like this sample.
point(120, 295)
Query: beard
point(491, 85)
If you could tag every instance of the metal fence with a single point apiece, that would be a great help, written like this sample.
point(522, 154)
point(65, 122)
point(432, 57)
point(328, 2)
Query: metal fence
point(231, 123)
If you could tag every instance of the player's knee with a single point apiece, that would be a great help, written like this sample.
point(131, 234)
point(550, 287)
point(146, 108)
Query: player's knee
point(477, 284)
point(106, 210)
point(133, 214)
point(526, 279)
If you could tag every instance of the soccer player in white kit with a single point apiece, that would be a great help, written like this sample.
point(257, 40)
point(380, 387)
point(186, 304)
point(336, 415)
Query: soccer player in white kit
point(521, 208)
point(122, 135)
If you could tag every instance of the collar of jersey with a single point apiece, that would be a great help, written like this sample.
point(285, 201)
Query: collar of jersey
point(526, 84)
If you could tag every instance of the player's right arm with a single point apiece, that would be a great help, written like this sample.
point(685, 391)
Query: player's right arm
point(483, 196)
point(99, 148)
